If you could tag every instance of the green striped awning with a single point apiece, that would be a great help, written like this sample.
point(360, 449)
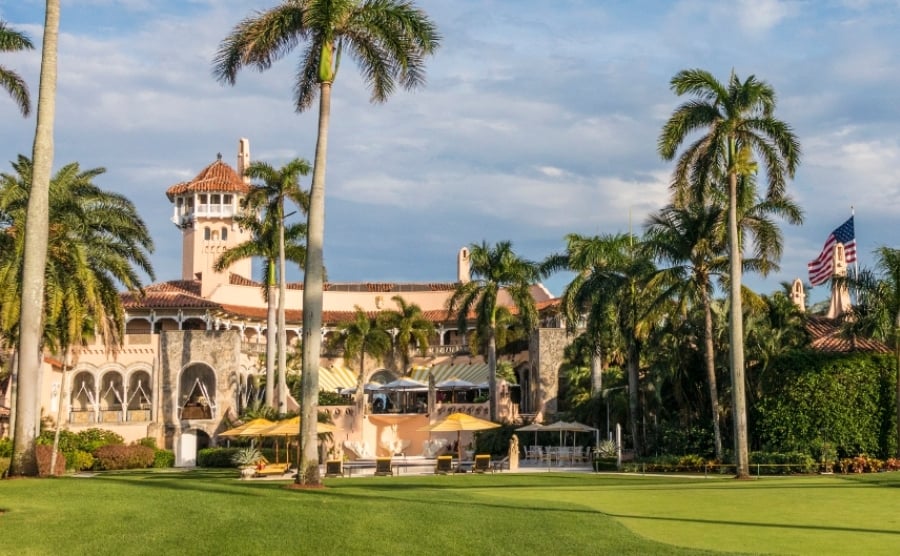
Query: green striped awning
point(335, 378)
point(473, 372)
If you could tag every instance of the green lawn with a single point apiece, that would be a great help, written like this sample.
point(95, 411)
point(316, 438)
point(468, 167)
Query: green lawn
point(210, 512)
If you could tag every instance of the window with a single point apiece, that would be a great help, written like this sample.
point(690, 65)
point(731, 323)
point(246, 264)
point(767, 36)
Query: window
point(206, 233)
point(224, 233)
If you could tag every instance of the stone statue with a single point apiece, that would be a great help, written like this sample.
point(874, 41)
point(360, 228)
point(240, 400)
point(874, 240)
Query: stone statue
point(514, 453)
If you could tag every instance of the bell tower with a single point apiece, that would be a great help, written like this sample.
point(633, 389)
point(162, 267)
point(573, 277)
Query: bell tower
point(204, 209)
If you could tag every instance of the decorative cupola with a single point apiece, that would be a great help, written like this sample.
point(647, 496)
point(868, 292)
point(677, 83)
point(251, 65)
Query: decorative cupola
point(204, 209)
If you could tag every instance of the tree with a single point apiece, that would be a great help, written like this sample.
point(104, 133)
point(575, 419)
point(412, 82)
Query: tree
point(389, 39)
point(274, 242)
point(494, 268)
point(13, 41)
point(877, 313)
point(739, 122)
point(360, 337)
point(277, 186)
point(412, 328)
point(689, 239)
point(610, 289)
point(27, 419)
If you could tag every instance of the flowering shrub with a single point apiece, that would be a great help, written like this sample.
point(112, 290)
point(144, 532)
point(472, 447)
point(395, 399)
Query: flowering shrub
point(44, 454)
point(115, 456)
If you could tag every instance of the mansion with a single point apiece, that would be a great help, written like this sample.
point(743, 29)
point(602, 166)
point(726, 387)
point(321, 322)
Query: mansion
point(190, 360)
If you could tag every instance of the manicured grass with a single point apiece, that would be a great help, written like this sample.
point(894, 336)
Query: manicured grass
point(210, 512)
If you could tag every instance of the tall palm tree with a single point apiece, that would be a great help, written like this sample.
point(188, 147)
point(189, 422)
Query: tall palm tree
point(267, 237)
point(279, 185)
point(390, 40)
point(360, 337)
point(13, 41)
point(412, 328)
point(610, 289)
point(494, 268)
point(27, 412)
point(689, 239)
point(739, 122)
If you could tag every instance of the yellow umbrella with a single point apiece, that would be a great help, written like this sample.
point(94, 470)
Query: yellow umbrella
point(460, 422)
point(250, 428)
point(291, 428)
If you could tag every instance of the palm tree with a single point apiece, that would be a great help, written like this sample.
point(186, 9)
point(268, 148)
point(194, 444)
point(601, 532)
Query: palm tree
point(279, 185)
point(739, 123)
point(411, 327)
point(270, 238)
point(13, 41)
point(689, 239)
point(389, 39)
point(360, 337)
point(610, 289)
point(494, 268)
point(877, 313)
point(27, 412)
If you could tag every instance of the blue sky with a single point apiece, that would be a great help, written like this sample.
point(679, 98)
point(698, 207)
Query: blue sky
point(540, 118)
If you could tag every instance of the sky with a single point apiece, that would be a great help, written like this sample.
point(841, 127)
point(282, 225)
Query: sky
point(539, 118)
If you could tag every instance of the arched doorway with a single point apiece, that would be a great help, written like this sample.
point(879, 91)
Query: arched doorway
point(190, 443)
point(197, 393)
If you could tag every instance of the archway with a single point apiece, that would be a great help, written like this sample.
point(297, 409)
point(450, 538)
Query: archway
point(197, 393)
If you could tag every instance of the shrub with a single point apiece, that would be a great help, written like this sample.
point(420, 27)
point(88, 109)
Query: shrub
point(246, 457)
point(79, 460)
point(89, 440)
point(4, 465)
point(163, 459)
point(44, 454)
point(68, 440)
point(607, 449)
point(117, 456)
point(147, 441)
point(215, 457)
point(6, 447)
point(775, 463)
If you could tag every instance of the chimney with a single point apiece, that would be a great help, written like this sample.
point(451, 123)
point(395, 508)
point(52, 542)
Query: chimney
point(243, 158)
point(463, 273)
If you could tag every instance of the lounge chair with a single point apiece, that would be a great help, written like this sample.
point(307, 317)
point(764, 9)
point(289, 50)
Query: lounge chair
point(383, 467)
point(334, 468)
point(266, 469)
point(500, 464)
point(482, 463)
point(444, 465)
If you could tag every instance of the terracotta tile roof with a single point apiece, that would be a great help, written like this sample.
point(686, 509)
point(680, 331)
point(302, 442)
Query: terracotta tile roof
point(218, 177)
point(238, 280)
point(825, 335)
point(169, 295)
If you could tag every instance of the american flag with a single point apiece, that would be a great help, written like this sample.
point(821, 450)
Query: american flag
point(820, 270)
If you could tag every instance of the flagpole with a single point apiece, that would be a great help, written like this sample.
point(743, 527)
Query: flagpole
point(855, 262)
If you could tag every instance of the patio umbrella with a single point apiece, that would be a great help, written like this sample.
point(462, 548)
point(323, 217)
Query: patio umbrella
point(532, 427)
point(404, 384)
point(250, 428)
point(460, 422)
point(291, 428)
point(453, 384)
point(369, 387)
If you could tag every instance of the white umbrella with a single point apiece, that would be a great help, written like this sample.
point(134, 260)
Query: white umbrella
point(532, 427)
point(404, 384)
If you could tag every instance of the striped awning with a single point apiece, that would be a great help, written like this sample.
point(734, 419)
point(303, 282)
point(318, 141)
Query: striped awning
point(473, 372)
point(336, 378)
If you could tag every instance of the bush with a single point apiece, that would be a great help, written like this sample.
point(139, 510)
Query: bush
point(246, 457)
point(6, 447)
point(215, 457)
point(148, 441)
point(163, 459)
point(90, 440)
point(117, 456)
point(79, 460)
point(4, 465)
point(44, 454)
point(774, 463)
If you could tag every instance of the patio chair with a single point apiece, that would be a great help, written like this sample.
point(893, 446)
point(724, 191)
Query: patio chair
point(383, 467)
point(482, 463)
point(444, 465)
point(334, 468)
point(500, 464)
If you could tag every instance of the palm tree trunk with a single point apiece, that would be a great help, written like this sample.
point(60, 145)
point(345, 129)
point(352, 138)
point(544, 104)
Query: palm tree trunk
point(736, 317)
point(33, 267)
point(282, 324)
point(597, 371)
point(492, 373)
point(271, 343)
point(361, 383)
point(61, 412)
point(633, 364)
point(313, 278)
point(710, 357)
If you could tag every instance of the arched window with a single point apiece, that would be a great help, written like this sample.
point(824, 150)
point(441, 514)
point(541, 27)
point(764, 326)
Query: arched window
point(206, 233)
point(224, 233)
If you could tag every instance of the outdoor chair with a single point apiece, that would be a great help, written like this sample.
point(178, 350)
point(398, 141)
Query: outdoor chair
point(383, 467)
point(444, 465)
point(500, 464)
point(265, 469)
point(334, 468)
point(482, 463)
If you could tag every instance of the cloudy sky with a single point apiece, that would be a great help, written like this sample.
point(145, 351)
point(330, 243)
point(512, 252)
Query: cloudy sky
point(540, 118)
